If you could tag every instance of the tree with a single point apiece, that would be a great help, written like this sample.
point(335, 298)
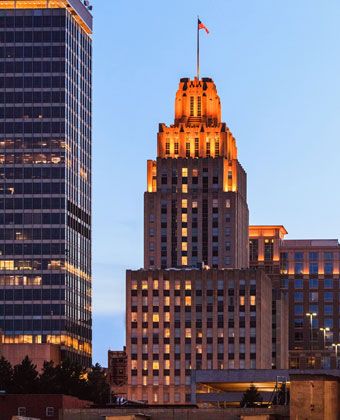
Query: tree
point(6, 375)
point(98, 390)
point(48, 379)
point(251, 397)
point(25, 378)
point(70, 379)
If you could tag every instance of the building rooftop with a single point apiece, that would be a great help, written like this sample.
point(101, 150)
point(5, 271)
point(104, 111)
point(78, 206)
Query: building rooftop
point(77, 8)
point(307, 243)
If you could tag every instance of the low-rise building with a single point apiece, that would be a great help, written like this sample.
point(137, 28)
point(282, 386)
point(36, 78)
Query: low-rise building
point(179, 320)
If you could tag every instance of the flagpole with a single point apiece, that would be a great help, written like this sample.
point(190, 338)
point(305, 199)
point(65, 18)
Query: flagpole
point(198, 50)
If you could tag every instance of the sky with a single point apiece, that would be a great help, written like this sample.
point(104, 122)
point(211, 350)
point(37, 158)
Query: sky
point(276, 65)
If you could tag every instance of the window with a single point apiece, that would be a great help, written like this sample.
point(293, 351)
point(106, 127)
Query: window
point(298, 284)
point(176, 148)
point(167, 148)
point(217, 148)
point(328, 296)
point(313, 297)
point(199, 106)
point(313, 268)
point(328, 309)
point(313, 283)
point(22, 411)
point(191, 106)
point(298, 296)
point(298, 309)
point(268, 249)
point(298, 268)
point(328, 268)
point(328, 284)
point(196, 147)
point(187, 149)
point(254, 249)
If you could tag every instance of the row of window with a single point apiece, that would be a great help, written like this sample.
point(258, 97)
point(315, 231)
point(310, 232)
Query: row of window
point(46, 19)
point(32, 51)
point(50, 172)
point(27, 281)
point(311, 283)
point(32, 112)
point(34, 249)
point(31, 127)
point(32, 188)
point(30, 219)
point(32, 203)
point(50, 66)
point(36, 97)
point(32, 36)
point(29, 82)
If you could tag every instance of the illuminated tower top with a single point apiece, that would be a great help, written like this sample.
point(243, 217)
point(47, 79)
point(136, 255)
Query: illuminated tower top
point(198, 130)
point(196, 201)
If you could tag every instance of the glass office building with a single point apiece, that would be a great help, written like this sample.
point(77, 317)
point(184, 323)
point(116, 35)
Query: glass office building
point(45, 174)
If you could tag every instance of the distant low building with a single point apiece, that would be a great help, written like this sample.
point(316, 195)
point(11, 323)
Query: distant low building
point(43, 407)
point(117, 372)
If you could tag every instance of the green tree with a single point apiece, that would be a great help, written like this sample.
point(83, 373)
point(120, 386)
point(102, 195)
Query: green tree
point(251, 397)
point(6, 375)
point(25, 378)
point(98, 389)
point(70, 379)
point(48, 379)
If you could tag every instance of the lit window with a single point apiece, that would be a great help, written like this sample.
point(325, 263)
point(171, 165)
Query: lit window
point(166, 284)
point(166, 332)
point(134, 285)
point(187, 300)
point(188, 333)
point(155, 284)
point(194, 204)
point(155, 365)
point(187, 284)
point(184, 204)
point(227, 203)
point(252, 300)
point(242, 300)
point(184, 260)
point(144, 284)
point(184, 188)
point(177, 284)
point(184, 232)
point(184, 246)
point(155, 318)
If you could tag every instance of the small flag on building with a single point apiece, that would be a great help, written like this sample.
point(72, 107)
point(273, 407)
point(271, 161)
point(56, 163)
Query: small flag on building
point(202, 26)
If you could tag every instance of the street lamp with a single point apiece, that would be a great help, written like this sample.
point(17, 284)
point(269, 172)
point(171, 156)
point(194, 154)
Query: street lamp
point(336, 353)
point(325, 331)
point(311, 315)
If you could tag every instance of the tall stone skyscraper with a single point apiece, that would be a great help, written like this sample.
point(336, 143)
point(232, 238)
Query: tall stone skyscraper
point(196, 305)
point(196, 201)
point(45, 174)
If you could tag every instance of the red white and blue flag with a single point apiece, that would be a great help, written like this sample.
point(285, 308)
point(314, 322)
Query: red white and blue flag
point(202, 26)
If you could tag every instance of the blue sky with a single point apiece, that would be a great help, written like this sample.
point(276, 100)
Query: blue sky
point(277, 69)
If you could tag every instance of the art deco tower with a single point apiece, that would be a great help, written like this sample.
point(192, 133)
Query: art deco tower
point(196, 201)
point(45, 174)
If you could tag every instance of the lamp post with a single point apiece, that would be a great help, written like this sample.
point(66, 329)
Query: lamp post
point(311, 315)
point(325, 331)
point(336, 353)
